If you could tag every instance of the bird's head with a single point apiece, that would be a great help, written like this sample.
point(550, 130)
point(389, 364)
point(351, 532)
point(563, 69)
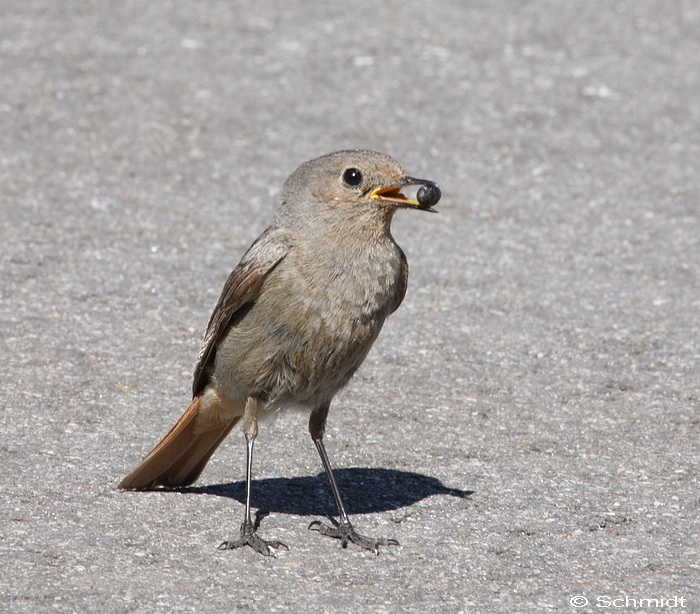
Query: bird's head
point(356, 183)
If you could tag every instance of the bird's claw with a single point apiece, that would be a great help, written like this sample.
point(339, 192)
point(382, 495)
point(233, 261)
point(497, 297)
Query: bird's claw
point(345, 532)
point(249, 537)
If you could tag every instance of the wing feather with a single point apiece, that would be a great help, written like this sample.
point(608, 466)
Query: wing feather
point(242, 287)
point(402, 284)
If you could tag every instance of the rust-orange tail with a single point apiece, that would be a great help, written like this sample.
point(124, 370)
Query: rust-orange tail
point(181, 455)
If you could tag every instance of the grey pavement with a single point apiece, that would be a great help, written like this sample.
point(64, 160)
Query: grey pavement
point(527, 425)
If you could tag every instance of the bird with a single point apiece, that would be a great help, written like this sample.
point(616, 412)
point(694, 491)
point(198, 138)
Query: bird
point(296, 318)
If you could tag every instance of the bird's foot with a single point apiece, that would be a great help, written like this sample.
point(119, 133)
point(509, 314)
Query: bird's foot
point(249, 537)
point(345, 532)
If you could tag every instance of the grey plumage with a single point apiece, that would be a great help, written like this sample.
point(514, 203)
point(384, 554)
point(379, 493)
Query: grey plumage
point(295, 319)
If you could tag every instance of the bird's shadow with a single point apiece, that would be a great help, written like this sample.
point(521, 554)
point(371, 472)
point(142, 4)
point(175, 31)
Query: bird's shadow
point(364, 491)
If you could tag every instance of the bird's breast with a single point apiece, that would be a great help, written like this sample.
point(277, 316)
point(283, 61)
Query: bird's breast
point(312, 325)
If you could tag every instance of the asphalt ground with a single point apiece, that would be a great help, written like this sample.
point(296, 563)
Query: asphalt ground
point(526, 425)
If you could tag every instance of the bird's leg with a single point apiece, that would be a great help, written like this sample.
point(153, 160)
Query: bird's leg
point(344, 531)
point(249, 536)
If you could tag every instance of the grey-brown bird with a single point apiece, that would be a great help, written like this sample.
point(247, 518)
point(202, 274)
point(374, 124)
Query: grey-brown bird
point(295, 320)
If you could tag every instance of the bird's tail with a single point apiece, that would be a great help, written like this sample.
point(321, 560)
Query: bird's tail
point(181, 455)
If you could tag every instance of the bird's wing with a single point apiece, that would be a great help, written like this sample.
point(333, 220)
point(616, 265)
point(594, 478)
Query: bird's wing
point(242, 287)
point(402, 284)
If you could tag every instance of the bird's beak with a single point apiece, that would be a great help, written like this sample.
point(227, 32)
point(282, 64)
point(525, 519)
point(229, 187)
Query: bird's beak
point(427, 196)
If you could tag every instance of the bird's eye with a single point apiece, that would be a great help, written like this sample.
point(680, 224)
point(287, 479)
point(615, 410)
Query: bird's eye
point(352, 177)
